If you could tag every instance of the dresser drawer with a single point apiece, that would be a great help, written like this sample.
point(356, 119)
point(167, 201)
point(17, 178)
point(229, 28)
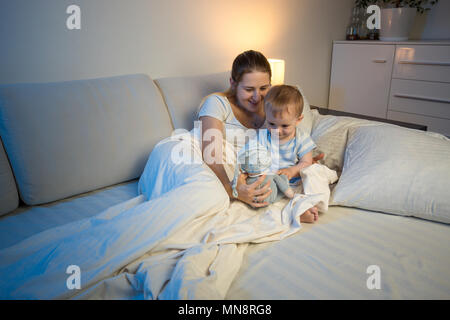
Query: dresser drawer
point(433, 124)
point(430, 63)
point(420, 97)
point(360, 78)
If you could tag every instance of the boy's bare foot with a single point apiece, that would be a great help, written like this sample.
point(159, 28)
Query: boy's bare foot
point(310, 216)
point(315, 211)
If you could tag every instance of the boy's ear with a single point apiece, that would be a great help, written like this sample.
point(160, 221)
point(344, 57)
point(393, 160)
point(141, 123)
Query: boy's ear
point(299, 119)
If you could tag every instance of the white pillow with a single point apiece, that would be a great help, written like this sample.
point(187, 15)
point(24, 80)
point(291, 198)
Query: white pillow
point(306, 123)
point(396, 170)
point(330, 135)
point(71, 137)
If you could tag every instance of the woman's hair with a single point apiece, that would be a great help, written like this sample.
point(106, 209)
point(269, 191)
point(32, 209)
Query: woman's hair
point(246, 62)
point(283, 97)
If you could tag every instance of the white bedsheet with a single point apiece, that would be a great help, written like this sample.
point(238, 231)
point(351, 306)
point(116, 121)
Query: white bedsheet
point(201, 260)
point(329, 260)
point(188, 243)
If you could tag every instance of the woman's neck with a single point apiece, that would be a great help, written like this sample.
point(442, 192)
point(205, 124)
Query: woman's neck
point(252, 120)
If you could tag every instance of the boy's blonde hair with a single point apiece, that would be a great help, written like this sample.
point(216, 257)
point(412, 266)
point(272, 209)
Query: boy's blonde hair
point(281, 97)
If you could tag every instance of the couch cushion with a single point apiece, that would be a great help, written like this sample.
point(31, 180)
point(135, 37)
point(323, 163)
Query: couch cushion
point(9, 199)
point(27, 221)
point(71, 137)
point(184, 94)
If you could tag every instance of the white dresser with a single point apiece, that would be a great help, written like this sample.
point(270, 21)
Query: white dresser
point(404, 81)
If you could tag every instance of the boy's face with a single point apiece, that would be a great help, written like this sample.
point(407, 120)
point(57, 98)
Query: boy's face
point(283, 124)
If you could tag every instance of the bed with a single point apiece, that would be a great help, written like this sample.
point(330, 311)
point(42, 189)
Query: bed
point(384, 234)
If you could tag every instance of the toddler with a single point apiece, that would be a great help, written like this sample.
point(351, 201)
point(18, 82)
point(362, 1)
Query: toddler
point(290, 147)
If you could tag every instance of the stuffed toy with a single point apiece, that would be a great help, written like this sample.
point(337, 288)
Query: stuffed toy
point(256, 160)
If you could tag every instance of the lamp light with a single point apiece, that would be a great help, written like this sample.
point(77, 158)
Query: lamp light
point(277, 67)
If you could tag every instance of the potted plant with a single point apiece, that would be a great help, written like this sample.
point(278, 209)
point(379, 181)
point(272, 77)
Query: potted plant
point(397, 16)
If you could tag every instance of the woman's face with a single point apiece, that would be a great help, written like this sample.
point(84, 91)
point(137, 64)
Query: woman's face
point(251, 90)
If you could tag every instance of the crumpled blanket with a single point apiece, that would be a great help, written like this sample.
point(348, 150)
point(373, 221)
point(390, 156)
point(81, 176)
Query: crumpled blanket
point(185, 243)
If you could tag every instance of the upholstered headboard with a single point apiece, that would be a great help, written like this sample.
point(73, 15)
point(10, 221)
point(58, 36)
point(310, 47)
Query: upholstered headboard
point(184, 94)
point(68, 138)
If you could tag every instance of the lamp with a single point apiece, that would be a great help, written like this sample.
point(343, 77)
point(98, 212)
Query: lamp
point(277, 67)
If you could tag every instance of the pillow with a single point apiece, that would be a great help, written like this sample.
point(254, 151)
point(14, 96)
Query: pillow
point(396, 170)
point(9, 199)
point(330, 135)
point(306, 123)
point(67, 138)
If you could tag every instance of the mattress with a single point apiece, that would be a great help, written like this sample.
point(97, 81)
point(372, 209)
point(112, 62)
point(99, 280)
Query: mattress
point(27, 221)
point(330, 260)
point(325, 260)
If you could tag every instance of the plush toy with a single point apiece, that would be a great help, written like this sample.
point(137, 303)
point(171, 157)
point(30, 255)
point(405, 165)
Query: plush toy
point(256, 161)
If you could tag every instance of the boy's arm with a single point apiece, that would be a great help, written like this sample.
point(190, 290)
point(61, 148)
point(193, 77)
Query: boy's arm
point(304, 162)
point(294, 171)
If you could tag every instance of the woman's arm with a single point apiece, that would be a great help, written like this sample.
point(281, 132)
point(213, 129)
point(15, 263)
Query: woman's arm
point(212, 143)
point(212, 135)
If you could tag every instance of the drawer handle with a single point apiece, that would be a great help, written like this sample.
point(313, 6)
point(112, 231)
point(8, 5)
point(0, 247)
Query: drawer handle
point(408, 96)
point(426, 63)
point(380, 61)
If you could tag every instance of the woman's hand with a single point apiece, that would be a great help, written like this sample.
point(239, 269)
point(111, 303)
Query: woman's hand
point(250, 193)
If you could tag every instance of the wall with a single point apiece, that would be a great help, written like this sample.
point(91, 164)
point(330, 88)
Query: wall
point(168, 38)
point(434, 24)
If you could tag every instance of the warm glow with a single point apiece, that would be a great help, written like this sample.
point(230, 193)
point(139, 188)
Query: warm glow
point(406, 54)
point(277, 67)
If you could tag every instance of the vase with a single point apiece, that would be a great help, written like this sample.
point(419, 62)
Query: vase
point(396, 23)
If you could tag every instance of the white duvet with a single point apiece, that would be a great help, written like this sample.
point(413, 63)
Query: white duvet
point(185, 242)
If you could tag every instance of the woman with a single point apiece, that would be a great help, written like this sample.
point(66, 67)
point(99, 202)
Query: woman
point(233, 114)
point(238, 109)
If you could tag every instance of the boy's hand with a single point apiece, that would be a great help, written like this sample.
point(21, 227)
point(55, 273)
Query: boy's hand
point(290, 172)
point(318, 157)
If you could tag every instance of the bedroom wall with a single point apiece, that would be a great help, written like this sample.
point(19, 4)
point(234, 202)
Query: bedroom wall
point(169, 38)
point(434, 24)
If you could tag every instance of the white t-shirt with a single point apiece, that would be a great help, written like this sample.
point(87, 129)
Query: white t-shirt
point(218, 107)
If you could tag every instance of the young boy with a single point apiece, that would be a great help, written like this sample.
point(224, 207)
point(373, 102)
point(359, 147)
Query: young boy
point(283, 105)
point(291, 148)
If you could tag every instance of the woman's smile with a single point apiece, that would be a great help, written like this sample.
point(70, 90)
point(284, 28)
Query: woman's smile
point(251, 90)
